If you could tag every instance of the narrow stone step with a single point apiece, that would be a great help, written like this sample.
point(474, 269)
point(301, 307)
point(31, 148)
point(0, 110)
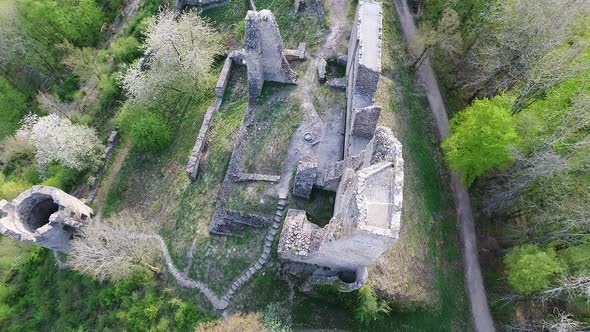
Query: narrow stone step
point(276, 225)
point(267, 245)
point(274, 231)
point(261, 260)
point(252, 270)
point(231, 292)
point(270, 237)
point(234, 287)
point(258, 266)
point(279, 214)
point(266, 255)
point(266, 250)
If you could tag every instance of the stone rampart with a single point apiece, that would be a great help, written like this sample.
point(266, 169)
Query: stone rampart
point(106, 158)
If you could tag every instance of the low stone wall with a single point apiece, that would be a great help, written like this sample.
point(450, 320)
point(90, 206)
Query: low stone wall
point(223, 78)
point(106, 157)
point(193, 161)
point(244, 177)
point(234, 58)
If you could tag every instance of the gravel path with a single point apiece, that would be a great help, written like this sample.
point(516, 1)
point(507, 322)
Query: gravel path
point(480, 311)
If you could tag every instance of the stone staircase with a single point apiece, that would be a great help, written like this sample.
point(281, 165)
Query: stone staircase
point(264, 257)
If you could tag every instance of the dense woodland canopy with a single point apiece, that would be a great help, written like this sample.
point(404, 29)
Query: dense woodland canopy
point(515, 75)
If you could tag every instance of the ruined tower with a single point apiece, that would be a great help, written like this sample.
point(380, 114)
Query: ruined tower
point(367, 212)
point(45, 216)
point(263, 52)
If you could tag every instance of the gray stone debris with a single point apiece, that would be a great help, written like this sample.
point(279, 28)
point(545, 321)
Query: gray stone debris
point(298, 54)
point(322, 65)
point(337, 83)
point(264, 52)
point(305, 177)
point(45, 216)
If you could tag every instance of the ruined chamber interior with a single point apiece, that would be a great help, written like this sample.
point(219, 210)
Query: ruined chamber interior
point(35, 211)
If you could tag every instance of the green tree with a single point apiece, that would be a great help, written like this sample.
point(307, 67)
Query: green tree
point(369, 308)
point(531, 269)
point(481, 137)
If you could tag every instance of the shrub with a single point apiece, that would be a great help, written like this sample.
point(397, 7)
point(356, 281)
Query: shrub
point(63, 177)
point(9, 189)
point(531, 269)
point(16, 151)
point(481, 137)
point(369, 308)
point(126, 49)
point(147, 130)
point(276, 318)
point(66, 89)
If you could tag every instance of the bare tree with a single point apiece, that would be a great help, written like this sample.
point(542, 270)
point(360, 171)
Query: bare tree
point(530, 45)
point(113, 250)
point(446, 37)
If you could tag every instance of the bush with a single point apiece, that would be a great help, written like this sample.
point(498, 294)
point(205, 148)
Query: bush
point(66, 89)
point(531, 269)
point(369, 308)
point(9, 189)
point(63, 177)
point(147, 130)
point(126, 49)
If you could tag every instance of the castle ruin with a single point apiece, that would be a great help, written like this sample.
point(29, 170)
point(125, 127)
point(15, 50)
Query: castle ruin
point(45, 216)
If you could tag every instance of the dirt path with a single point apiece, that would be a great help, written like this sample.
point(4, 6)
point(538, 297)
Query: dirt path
point(482, 319)
point(312, 123)
point(105, 186)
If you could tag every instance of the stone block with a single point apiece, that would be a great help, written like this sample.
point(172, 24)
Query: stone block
point(364, 121)
point(322, 67)
point(305, 178)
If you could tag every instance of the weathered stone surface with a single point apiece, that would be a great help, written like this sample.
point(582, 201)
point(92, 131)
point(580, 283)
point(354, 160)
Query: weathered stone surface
point(45, 216)
point(305, 178)
point(193, 160)
point(247, 177)
point(322, 65)
point(246, 219)
point(298, 54)
point(264, 52)
point(367, 213)
point(338, 83)
point(223, 77)
point(364, 121)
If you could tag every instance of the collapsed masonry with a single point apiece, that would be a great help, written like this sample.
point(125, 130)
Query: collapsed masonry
point(45, 216)
point(368, 182)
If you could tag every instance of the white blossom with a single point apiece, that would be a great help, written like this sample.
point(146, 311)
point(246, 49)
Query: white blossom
point(57, 139)
point(178, 56)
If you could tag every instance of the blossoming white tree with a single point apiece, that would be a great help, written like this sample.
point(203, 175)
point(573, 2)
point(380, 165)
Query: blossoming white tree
point(57, 139)
point(178, 56)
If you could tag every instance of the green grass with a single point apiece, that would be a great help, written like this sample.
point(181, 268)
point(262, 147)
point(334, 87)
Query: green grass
point(306, 26)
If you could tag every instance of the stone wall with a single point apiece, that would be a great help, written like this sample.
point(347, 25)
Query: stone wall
point(263, 52)
point(45, 216)
point(363, 65)
point(106, 158)
point(195, 157)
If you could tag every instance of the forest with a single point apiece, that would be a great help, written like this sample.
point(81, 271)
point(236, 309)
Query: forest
point(514, 75)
